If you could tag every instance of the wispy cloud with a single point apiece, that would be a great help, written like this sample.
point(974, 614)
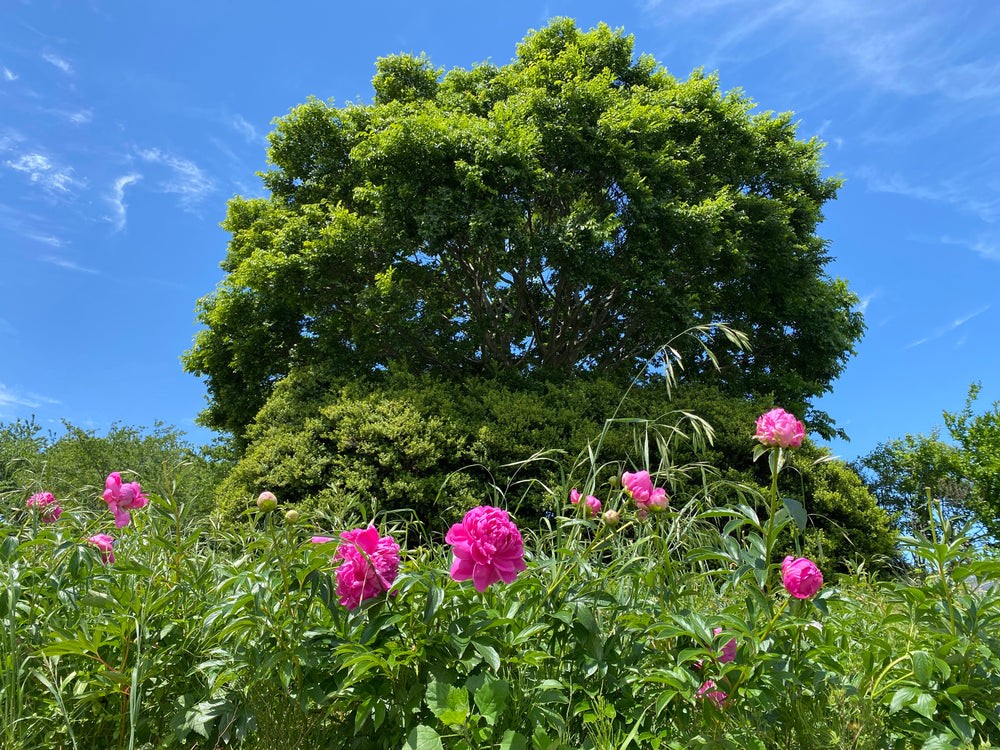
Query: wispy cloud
point(8, 74)
point(10, 397)
point(29, 226)
point(188, 180)
point(69, 265)
point(117, 199)
point(960, 191)
point(41, 170)
point(985, 246)
point(911, 47)
point(58, 62)
point(244, 128)
point(943, 330)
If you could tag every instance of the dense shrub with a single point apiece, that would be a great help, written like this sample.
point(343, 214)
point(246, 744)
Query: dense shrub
point(349, 449)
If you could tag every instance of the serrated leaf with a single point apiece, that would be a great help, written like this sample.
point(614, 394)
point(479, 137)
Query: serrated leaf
point(447, 702)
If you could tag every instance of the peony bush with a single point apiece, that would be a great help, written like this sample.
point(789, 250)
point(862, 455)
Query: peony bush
point(626, 621)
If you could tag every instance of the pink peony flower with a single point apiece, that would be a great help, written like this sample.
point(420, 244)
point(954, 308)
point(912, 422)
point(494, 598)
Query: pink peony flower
point(488, 548)
point(640, 487)
point(727, 654)
point(47, 506)
point(707, 690)
point(369, 567)
point(104, 543)
point(593, 504)
point(321, 539)
point(779, 429)
point(121, 498)
point(800, 576)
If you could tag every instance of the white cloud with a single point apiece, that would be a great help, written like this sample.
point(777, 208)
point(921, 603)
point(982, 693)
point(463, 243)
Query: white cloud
point(189, 181)
point(30, 400)
point(959, 191)
point(57, 61)
point(41, 170)
point(939, 332)
point(81, 117)
point(244, 128)
point(68, 264)
point(8, 74)
point(117, 199)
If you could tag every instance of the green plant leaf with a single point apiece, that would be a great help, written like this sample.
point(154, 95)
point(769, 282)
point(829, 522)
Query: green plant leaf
point(449, 703)
point(797, 511)
point(923, 667)
point(513, 741)
point(423, 738)
point(491, 698)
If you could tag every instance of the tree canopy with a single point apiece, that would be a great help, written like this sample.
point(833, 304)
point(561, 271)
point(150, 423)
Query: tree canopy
point(565, 213)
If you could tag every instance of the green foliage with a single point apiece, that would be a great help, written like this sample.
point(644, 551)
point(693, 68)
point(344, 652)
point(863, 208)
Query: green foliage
point(76, 463)
point(899, 471)
point(548, 217)
point(423, 444)
point(201, 637)
point(977, 437)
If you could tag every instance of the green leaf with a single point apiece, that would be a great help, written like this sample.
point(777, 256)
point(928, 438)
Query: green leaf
point(434, 598)
point(513, 741)
point(923, 667)
point(423, 738)
point(489, 654)
point(797, 511)
point(450, 704)
point(491, 698)
point(925, 705)
point(903, 697)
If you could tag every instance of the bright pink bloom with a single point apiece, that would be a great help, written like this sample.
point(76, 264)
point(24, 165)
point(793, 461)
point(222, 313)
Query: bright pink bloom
point(121, 498)
point(707, 690)
point(47, 505)
point(593, 504)
point(727, 654)
point(779, 429)
point(801, 577)
point(370, 564)
point(640, 487)
point(321, 539)
point(104, 543)
point(488, 548)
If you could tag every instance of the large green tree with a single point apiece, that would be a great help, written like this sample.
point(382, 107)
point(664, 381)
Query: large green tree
point(568, 211)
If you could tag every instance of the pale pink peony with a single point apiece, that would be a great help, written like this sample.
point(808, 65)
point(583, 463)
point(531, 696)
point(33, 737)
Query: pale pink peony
point(640, 487)
point(800, 576)
point(488, 548)
point(369, 567)
point(593, 504)
point(708, 690)
point(611, 518)
point(121, 498)
point(779, 429)
point(47, 506)
point(104, 543)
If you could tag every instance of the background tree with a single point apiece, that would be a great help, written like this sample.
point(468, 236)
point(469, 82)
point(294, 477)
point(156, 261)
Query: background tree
point(564, 213)
point(898, 472)
point(977, 437)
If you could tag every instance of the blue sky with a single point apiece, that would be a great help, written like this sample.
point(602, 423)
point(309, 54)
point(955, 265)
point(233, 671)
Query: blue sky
point(125, 127)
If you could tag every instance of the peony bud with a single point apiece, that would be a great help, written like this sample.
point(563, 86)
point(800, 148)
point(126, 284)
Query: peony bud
point(292, 516)
point(611, 518)
point(267, 502)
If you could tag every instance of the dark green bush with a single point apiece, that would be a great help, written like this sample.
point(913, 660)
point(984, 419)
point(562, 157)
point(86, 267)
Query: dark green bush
point(351, 449)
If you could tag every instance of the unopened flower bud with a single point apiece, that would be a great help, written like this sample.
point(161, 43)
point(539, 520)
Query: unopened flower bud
point(292, 516)
point(615, 481)
point(267, 502)
point(611, 518)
